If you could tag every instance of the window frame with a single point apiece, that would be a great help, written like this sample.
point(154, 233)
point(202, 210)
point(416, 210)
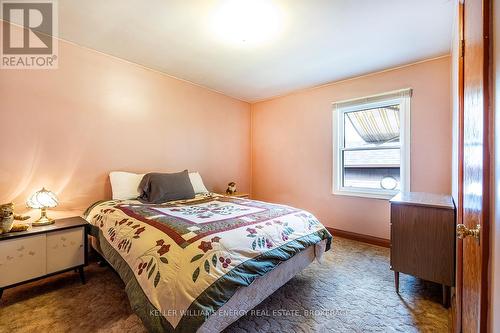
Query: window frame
point(401, 97)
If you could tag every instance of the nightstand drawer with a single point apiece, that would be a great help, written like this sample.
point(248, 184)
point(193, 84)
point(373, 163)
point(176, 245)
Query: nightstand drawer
point(22, 259)
point(65, 249)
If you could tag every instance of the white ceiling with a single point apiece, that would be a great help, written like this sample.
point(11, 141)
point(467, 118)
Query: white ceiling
point(320, 41)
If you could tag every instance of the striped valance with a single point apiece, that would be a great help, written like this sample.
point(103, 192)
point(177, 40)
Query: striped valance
point(376, 125)
point(375, 118)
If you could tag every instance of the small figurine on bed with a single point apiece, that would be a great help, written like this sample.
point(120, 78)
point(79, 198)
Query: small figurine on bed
point(7, 217)
point(231, 188)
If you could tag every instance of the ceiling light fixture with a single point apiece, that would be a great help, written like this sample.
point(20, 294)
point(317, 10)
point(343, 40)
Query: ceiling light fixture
point(249, 22)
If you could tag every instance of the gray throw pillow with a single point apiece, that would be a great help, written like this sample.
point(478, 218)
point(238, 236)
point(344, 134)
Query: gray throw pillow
point(162, 187)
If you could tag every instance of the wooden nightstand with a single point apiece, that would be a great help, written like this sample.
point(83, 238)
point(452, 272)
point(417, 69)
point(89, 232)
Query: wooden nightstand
point(43, 251)
point(238, 195)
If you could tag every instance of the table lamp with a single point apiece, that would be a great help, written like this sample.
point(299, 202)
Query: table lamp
point(42, 199)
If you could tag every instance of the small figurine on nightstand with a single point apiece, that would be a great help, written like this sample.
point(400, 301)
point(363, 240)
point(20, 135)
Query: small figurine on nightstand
point(231, 188)
point(7, 217)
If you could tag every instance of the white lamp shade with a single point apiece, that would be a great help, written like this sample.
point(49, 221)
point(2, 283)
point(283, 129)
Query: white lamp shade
point(42, 199)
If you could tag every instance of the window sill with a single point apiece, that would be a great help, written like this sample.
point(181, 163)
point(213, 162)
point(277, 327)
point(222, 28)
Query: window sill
point(368, 195)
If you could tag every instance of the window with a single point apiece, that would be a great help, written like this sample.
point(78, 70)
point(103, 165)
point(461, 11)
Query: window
point(371, 141)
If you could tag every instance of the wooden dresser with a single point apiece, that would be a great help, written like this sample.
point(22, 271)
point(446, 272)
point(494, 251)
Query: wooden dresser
point(423, 238)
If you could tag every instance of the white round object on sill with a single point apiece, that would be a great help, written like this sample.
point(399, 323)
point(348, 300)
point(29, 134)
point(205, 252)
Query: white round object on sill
point(389, 183)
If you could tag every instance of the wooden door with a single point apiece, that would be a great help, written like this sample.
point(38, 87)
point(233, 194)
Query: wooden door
point(472, 264)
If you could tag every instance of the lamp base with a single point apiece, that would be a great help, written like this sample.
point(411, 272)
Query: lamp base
point(43, 220)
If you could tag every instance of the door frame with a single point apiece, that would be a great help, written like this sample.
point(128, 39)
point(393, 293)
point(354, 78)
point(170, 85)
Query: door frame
point(488, 138)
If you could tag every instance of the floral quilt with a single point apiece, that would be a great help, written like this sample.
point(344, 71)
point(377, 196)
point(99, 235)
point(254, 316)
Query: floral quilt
point(181, 261)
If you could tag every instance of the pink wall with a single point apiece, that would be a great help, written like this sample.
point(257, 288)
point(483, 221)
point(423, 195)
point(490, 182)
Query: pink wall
point(292, 145)
point(66, 129)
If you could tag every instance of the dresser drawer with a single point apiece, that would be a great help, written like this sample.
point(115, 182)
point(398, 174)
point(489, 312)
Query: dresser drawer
point(65, 249)
point(22, 259)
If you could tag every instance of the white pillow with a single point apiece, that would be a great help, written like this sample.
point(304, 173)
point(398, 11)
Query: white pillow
point(197, 183)
point(124, 185)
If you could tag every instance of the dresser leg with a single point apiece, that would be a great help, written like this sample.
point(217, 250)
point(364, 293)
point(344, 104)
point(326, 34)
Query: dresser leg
point(396, 281)
point(446, 296)
point(82, 274)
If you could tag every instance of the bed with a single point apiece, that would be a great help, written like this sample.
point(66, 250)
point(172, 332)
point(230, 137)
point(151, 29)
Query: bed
point(198, 265)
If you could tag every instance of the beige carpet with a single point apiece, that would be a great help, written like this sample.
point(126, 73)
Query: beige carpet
point(352, 291)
